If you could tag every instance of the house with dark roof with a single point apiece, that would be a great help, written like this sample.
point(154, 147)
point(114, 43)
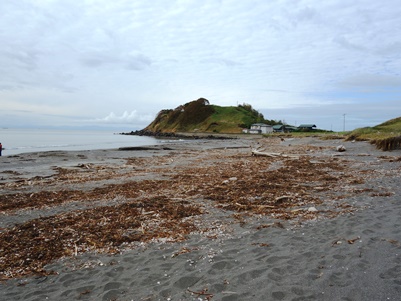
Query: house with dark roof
point(281, 128)
point(307, 126)
point(278, 128)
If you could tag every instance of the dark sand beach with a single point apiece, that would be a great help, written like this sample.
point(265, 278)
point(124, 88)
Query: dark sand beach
point(204, 220)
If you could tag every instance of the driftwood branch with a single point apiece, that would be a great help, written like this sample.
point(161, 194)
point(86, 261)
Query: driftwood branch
point(259, 152)
point(202, 293)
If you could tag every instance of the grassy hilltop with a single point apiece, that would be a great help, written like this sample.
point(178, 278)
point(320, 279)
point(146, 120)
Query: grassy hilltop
point(200, 116)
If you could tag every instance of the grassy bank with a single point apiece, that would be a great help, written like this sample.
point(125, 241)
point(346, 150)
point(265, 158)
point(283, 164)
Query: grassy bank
point(385, 136)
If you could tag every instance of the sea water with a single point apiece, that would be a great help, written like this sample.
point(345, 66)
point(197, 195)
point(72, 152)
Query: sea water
point(17, 141)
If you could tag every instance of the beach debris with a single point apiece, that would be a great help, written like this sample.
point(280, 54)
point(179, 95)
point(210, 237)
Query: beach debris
point(281, 199)
point(232, 179)
point(261, 152)
point(183, 250)
point(349, 241)
point(122, 207)
point(275, 224)
point(392, 241)
point(203, 292)
point(260, 244)
point(312, 209)
point(87, 166)
point(279, 225)
point(353, 240)
point(85, 292)
point(390, 158)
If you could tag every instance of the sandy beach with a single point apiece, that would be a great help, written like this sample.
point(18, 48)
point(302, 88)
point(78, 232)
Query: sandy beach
point(203, 220)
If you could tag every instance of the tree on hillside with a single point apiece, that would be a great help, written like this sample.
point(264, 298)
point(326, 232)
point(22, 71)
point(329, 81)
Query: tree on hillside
point(258, 116)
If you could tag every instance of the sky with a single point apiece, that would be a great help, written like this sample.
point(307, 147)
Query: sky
point(116, 64)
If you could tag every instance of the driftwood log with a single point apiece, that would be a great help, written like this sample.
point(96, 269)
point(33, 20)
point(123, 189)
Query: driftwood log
point(260, 152)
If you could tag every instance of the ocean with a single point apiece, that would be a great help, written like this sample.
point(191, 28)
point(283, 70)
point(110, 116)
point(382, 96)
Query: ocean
point(17, 141)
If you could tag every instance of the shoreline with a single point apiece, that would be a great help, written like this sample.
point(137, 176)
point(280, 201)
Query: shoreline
point(143, 141)
point(211, 222)
point(183, 135)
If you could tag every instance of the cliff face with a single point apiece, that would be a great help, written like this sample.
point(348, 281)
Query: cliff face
point(183, 118)
point(200, 116)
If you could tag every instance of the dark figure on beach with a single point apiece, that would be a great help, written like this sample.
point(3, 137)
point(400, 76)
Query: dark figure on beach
point(1, 148)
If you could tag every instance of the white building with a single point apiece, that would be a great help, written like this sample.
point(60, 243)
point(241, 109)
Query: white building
point(259, 128)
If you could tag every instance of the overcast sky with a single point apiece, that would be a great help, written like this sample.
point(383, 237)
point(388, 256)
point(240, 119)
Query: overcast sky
point(118, 63)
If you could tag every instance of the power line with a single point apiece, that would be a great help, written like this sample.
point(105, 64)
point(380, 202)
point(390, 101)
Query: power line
point(344, 123)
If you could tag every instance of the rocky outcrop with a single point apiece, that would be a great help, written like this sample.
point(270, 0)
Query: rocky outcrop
point(175, 135)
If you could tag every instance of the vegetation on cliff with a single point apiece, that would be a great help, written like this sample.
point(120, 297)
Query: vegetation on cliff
point(200, 116)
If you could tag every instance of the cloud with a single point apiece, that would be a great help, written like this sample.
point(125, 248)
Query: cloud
point(128, 61)
point(25, 59)
point(344, 42)
point(137, 62)
point(372, 80)
point(221, 61)
point(126, 118)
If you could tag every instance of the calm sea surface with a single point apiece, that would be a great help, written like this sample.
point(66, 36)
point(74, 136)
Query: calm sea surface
point(16, 141)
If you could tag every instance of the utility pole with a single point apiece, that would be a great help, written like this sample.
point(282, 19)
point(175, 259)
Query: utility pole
point(344, 123)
